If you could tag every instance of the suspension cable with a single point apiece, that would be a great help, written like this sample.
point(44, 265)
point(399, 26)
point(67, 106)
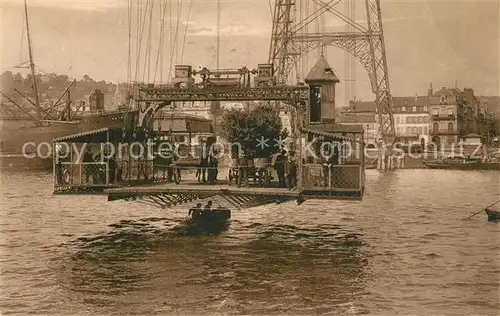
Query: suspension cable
point(162, 35)
point(147, 57)
point(174, 43)
point(218, 34)
point(137, 37)
point(129, 60)
point(179, 13)
point(171, 28)
point(185, 31)
point(140, 41)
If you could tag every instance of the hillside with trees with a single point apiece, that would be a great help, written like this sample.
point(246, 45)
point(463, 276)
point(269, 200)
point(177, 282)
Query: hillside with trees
point(51, 86)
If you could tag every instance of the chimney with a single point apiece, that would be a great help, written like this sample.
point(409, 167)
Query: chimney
point(431, 92)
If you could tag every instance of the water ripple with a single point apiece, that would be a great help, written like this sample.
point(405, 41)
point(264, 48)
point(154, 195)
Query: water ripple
point(405, 249)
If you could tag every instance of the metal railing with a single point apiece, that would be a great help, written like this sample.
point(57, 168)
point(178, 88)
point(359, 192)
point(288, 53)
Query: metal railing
point(70, 175)
point(349, 177)
point(92, 176)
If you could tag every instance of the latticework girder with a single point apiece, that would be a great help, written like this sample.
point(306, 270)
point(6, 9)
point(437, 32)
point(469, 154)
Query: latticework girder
point(169, 200)
point(289, 43)
point(280, 51)
point(151, 99)
point(280, 93)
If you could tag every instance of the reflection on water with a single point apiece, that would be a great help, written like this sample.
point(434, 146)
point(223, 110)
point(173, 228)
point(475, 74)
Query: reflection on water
point(232, 274)
point(405, 249)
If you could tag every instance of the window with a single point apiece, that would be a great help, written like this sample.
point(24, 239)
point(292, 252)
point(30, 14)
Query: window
point(435, 127)
point(403, 109)
point(408, 130)
point(426, 130)
point(420, 120)
point(397, 119)
point(179, 138)
point(414, 109)
point(419, 130)
point(435, 111)
point(450, 111)
point(426, 119)
point(450, 127)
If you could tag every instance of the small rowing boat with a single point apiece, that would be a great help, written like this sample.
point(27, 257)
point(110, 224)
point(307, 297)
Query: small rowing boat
point(492, 215)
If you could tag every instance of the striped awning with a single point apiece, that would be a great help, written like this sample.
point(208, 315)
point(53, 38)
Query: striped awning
point(80, 136)
point(332, 135)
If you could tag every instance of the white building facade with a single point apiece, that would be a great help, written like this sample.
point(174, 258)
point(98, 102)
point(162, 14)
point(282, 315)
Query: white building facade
point(412, 119)
point(363, 113)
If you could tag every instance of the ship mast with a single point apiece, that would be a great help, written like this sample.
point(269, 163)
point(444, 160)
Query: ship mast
point(32, 63)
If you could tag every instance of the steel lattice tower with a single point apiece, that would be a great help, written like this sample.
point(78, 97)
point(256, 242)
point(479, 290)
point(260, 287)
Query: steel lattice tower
point(290, 43)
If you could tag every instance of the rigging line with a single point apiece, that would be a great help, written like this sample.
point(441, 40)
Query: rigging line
point(316, 28)
point(170, 26)
point(185, 31)
point(303, 69)
point(40, 69)
point(218, 34)
point(137, 37)
point(179, 12)
point(162, 48)
point(129, 60)
point(174, 45)
point(147, 40)
point(147, 57)
point(22, 39)
point(150, 39)
point(160, 45)
point(306, 31)
point(158, 48)
point(140, 42)
point(171, 41)
point(142, 28)
point(139, 15)
point(271, 10)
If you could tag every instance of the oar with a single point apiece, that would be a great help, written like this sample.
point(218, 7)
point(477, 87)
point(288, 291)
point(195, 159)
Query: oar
point(482, 210)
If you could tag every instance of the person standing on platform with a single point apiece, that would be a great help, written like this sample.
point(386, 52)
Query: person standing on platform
point(87, 167)
point(291, 171)
point(203, 162)
point(112, 168)
point(279, 165)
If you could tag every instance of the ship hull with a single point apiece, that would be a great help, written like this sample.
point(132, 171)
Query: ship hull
point(25, 146)
point(466, 166)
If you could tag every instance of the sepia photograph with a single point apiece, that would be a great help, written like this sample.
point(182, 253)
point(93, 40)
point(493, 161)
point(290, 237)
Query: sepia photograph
point(250, 157)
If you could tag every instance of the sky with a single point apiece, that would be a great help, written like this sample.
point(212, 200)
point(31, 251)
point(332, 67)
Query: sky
point(445, 43)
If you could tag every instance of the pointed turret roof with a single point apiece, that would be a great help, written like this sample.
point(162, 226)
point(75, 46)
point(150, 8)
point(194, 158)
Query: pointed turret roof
point(322, 72)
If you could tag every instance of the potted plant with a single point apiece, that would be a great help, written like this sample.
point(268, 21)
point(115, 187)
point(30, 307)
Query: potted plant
point(256, 132)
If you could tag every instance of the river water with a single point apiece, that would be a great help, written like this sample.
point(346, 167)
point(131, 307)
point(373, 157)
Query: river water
point(405, 249)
